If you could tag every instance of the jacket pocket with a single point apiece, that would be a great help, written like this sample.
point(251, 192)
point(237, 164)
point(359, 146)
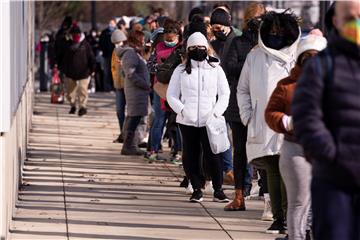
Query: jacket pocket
point(255, 127)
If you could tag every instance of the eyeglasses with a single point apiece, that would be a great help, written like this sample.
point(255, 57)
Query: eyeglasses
point(196, 47)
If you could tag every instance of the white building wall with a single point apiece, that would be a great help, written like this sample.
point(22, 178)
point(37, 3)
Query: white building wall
point(16, 100)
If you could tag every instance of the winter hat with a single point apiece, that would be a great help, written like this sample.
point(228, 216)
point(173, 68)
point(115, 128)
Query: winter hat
point(118, 36)
point(220, 16)
point(311, 42)
point(197, 25)
point(195, 11)
point(197, 39)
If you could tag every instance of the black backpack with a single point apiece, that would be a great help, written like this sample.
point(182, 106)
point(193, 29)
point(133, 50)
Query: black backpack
point(166, 69)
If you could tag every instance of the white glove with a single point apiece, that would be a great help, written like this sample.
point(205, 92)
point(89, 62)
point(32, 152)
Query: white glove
point(288, 123)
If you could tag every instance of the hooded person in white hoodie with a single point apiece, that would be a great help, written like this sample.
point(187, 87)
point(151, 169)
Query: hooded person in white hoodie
point(198, 90)
point(268, 63)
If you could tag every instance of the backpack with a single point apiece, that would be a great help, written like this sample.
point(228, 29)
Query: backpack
point(166, 69)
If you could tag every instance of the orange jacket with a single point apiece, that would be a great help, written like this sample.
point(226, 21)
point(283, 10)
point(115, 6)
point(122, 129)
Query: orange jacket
point(116, 70)
point(280, 102)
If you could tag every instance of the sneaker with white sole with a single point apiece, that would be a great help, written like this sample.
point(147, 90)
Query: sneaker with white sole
point(267, 214)
point(219, 196)
point(197, 196)
point(277, 227)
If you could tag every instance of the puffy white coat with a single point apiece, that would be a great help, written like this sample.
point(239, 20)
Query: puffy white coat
point(262, 70)
point(196, 96)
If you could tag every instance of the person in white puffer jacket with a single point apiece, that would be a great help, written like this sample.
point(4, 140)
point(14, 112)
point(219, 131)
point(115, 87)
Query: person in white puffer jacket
point(266, 64)
point(198, 89)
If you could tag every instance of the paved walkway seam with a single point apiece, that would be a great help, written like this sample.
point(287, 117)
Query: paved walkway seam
point(62, 175)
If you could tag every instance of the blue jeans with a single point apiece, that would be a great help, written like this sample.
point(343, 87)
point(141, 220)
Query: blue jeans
point(158, 125)
point(336, 211)
point(120, 107)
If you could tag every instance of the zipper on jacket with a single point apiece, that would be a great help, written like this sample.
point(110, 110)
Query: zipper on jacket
point(198, 94)
point(203, 83)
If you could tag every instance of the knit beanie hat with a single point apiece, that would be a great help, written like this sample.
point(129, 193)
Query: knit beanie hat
point(220, 16)
point(118, 36)
point(197, 24)
point(197, 39)
point(311, 42)
point(195, 11)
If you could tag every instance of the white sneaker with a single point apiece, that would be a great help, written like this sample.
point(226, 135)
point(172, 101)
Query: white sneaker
point(267, 214)
point(209, 190)
point(189, 190)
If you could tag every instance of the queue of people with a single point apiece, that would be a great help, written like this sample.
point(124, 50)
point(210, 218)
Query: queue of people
point(288, 98)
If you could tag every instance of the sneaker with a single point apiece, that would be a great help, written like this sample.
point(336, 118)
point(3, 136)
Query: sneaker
point(197, 196)
point(209, 190)
point(142, 145)
point(189, 189)
point(267, 214)
point(219, 196)
point(176, 159)
point(72, 110)
point(152, 157)
point(82, 111)
point(277, 227)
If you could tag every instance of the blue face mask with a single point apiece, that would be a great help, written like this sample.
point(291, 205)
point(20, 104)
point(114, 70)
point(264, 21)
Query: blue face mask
point(170, 44)
point(275, 42)
point(111, 28)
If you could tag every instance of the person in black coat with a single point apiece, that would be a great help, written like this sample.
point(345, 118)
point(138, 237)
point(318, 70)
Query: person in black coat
point(326, 115)
point(107, 47)
point(233, 63)
point(78, 64)
point(62, 40)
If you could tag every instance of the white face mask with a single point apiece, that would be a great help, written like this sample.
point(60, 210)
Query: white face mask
point(120, 44)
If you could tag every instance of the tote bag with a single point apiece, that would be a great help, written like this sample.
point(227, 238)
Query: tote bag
point(217, 134)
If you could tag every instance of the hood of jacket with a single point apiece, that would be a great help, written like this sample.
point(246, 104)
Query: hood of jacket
point(122, 50)
point(286, 54)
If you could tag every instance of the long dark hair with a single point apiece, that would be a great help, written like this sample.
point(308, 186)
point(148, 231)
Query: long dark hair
point(209, 60)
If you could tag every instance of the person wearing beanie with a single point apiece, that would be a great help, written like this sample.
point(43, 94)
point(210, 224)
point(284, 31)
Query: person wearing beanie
point(326, 119)
point(78, 64)
point(118, 38)
point(221, 27)
point(198, 90)
point(195, 11)
point(267, 63)
point(239, 49)
point(294, 168)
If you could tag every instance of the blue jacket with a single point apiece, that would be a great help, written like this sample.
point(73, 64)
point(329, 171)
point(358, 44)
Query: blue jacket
point(326, 113)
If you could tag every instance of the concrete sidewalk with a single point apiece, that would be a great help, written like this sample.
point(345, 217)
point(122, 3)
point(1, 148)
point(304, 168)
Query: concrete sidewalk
point(78, 186)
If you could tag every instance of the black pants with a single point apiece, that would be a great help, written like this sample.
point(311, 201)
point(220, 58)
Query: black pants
point(239, 136)
point(195, 139)
point(336, 211)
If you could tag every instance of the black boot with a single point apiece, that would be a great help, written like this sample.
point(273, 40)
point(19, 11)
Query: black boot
point(129, 148)
point(119, 139)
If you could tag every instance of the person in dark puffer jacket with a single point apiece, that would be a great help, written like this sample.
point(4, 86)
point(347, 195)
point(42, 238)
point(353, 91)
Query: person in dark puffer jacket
point(238, 51)
point(78, 64)
point(326, 115)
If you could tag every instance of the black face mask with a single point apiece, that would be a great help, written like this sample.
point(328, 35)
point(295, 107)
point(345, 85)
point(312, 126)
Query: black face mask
point(254, 25)
point(275, 42)
point(198, 54)
point(220, 35)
